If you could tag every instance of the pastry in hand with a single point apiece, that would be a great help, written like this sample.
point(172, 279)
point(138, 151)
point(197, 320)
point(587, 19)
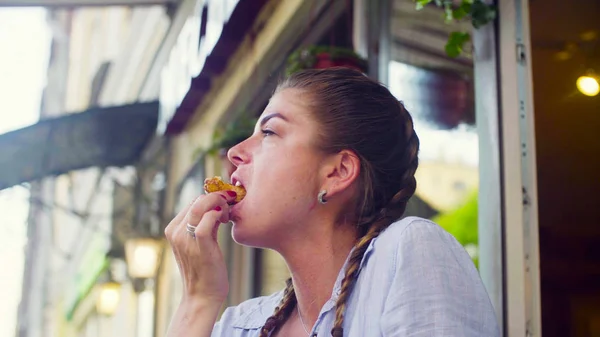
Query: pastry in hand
point(217, 184)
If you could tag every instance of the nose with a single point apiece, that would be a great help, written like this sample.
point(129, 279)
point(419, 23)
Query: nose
point(236, 155)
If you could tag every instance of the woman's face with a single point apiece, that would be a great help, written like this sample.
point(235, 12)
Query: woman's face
point(279, 166)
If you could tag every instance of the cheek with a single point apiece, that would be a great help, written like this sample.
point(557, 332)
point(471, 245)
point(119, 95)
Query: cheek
point(286, 185)
point(285, 165)
point(289, 186)
point(283, 193)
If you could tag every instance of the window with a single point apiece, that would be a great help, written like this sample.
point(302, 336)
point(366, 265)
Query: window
point(438, 91)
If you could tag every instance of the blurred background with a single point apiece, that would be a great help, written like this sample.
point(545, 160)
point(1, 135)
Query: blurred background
point(112, 114)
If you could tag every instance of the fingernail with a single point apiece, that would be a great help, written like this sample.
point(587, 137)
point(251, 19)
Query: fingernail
point(222, 196)
point(218, 208)
point(232, 193)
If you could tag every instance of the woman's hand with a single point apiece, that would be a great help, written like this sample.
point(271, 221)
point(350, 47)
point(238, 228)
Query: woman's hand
point(198, 255)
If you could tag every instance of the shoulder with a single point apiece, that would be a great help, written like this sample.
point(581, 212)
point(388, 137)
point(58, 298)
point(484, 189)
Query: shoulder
point(250, 314)
point(416, 245)
point(416, 232)
point(415, 242)
point(434, 283)
point(410, 226)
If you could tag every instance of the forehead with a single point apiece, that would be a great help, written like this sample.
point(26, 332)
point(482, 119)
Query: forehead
point(291, 104)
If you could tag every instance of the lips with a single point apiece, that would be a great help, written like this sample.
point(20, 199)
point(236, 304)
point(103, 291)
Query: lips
point(234, 211)
point(237, 182)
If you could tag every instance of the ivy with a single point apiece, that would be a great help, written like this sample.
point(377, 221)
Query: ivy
point(477, 11)
point(232, 134)
point(456, 41)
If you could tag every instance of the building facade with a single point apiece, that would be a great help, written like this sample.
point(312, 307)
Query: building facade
point(213, 63)
point(103, 64)
point(456, 103)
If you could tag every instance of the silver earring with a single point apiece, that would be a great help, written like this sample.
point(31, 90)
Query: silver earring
point(321, 197)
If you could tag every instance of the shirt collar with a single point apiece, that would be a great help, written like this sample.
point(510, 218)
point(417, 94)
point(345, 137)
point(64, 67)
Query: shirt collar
point(256, 316)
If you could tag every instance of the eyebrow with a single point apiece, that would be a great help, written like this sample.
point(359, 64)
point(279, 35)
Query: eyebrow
point(271, 116)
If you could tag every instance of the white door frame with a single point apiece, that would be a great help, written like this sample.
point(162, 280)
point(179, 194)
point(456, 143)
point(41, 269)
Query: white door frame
point(490, 219)
point(521, 234)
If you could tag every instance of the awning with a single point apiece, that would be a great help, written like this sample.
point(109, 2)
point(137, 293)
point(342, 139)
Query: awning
point(234, 32)
point(111, 136)
point(79, 3)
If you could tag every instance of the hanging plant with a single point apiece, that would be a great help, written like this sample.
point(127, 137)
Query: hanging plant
point(233, 133)
point(320, 57)
point(477, 11)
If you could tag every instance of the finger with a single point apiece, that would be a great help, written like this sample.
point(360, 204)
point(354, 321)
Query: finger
point(208, 227)
point(206, 203)
point(228, 195)
point(178, 219)
point(225, 215)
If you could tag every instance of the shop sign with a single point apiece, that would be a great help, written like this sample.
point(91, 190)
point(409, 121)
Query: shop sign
point(189, 54)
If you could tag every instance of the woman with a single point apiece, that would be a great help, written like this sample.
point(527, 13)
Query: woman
point(328, 172)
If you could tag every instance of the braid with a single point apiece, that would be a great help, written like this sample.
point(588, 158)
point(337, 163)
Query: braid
point(377, 223)
point(351, 274)
point(282, 311)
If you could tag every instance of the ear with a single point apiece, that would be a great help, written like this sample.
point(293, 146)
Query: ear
point(340, 172)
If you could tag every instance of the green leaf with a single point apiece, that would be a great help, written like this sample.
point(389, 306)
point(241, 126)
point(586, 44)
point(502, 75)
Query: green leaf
point(461, 222)
point(456, 41)
point(233, 133)
point(482, 13)
point(422, 3)
point(463, 10)
point(452, 49)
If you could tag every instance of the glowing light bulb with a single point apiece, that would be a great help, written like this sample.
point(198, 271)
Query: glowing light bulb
point(142, 257)
point(108, 299)
point(588, 85)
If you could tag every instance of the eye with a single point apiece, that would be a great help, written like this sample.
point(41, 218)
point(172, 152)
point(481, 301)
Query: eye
point(267, 132)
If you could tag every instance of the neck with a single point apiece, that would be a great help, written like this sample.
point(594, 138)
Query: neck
point(314, 261)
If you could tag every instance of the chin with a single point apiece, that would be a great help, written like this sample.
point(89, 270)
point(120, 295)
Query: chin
point(246, 235)
point(241, 234)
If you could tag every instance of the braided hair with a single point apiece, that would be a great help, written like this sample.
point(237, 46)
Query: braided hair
point(356, 113)
point(282, 311)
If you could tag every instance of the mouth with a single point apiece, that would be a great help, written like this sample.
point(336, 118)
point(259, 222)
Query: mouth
point(235, 181)
point(216, 184)
point(234, 210)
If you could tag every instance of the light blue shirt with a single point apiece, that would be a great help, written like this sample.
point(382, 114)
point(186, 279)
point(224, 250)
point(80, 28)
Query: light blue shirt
point(415, 280)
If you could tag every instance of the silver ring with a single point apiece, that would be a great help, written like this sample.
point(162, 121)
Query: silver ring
point(191, 230)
